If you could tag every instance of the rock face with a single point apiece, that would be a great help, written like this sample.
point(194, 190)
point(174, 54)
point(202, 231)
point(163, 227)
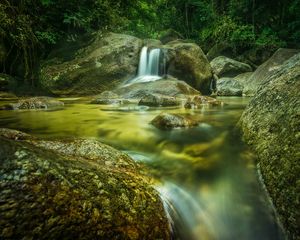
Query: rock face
point(229, 87)
point(169, 121)
point(34, 103)
point(186, 61)
point(102, 63)
point(226, 67)
point(75, 189)
point(271, 124)
point(153, 100)
point(168, 87)
point(267, 69)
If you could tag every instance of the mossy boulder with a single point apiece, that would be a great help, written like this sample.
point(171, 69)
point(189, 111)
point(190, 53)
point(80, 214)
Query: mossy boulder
point(75, 189)
point(267, 69)
point(271, 125)
point(101, 63)
point(170, 35)
point(187, 62)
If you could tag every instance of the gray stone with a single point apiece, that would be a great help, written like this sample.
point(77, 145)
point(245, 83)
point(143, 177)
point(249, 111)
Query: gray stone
point(226, 67)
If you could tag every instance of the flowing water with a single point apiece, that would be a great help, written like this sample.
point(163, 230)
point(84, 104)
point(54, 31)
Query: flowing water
point(149, 66)
point(206, 176)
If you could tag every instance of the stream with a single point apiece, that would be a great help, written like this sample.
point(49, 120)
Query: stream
point(206, 175)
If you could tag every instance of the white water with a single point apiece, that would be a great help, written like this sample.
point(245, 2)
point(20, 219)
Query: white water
point(148, 66)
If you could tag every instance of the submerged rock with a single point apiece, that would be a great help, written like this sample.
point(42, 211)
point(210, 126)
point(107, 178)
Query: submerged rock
point(97, 63)
point(267, 69)
point(200, 101)
point(168, 87)
point(271, 124)
point(169, 121)
point(226, 67)
point(186, 61)
point(75, 189)
point(154, 100)
point(34, 103)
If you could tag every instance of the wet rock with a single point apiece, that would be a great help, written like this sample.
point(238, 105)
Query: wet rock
point(153, 100)
point(75, 189)
point(271, 124)
point(170, 121)
point(220, 49)
point(187, 62)
point(200, 101)
point(97, 63)
point(168, 87)
point(34, 103)
point(229, 87)
point(226, 67)
point(267, 69)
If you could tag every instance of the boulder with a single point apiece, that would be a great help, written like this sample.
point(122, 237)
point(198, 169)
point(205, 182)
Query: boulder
point(229, 87)
point(267, 69)
point(170, 35)
point(75, 189)
point(155, 100)
point(226, 67)
point(170, 121)
point(103, 62)
point(34, 103)
point(200, 101)
point(271, 124)
point(168, 87)
point(186, 61)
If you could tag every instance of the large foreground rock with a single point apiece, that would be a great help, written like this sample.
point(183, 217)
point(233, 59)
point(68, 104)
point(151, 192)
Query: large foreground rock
point(271, 124)
point(79, 189)
point(186, 61)
point(267, 69)
point(168, 87)
point(98, 64)
point(226, 67)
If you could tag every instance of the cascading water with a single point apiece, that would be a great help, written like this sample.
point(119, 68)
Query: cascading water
point(149, 66)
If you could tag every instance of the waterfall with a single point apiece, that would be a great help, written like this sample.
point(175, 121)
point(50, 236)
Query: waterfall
point(149, 66)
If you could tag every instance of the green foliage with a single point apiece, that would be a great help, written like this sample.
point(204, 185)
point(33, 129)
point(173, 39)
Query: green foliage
point(30, 25)
point(269, 38)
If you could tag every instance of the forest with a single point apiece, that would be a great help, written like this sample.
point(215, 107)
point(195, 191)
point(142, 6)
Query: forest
point(30, 28)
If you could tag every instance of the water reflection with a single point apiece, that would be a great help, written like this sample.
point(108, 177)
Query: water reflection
point(207, 175)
